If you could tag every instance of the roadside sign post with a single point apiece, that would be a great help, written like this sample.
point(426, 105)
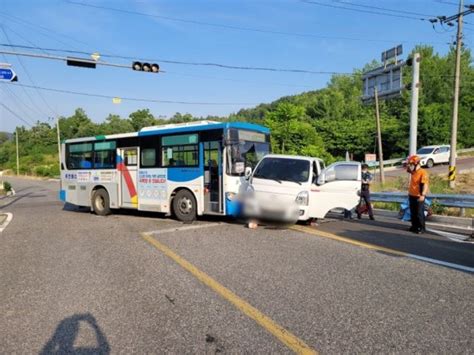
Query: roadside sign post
point(379, 137)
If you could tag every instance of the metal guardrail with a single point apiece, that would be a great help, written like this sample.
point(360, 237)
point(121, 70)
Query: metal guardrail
point(466, 150)
point(373, 164)
point(447, 200)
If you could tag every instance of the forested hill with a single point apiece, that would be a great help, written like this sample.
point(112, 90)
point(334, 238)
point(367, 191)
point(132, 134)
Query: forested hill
point(336, 117)
point(324, 123)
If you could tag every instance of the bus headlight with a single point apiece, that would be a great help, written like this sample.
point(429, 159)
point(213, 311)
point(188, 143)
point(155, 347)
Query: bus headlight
point(302, 198)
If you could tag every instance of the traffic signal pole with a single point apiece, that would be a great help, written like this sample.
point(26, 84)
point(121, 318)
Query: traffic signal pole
point(454, 124)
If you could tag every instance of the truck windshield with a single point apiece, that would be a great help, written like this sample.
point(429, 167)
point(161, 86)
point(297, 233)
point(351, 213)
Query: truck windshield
point(244, 154)
point(283, 169)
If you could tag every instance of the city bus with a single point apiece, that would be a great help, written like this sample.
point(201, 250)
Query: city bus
point(187, 169)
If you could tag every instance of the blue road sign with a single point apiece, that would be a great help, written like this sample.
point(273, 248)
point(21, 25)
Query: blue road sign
point(7, 74)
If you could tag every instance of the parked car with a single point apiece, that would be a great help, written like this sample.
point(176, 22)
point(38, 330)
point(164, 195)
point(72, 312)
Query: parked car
point(433, 154)
point(289, 188)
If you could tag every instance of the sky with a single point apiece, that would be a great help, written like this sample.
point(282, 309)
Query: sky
point(283, 34)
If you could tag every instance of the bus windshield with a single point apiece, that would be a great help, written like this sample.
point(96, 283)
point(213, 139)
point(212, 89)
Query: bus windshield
point(246, 154)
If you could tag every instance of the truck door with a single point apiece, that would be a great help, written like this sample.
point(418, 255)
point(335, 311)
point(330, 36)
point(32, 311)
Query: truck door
point(337, 186)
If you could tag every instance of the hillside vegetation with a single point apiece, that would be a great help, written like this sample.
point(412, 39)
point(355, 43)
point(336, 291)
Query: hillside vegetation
point(325, 123)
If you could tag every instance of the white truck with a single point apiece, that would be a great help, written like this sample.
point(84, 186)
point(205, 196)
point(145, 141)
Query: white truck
point(289, 188)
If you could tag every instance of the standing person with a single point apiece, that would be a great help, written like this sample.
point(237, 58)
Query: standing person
point(365, 192)
point(417, 190)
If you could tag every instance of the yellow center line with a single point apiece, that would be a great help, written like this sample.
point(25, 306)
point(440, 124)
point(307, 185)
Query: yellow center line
point(287, 338)
point(347, 240)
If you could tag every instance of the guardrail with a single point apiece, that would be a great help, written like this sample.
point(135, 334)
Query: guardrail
point(466, 150)
point(373, 164)
point(447, 200)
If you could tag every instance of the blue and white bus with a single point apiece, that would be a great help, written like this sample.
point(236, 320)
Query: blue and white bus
point(187, 169)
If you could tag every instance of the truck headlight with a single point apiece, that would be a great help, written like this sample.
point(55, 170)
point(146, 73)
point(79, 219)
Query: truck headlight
point(302, 198)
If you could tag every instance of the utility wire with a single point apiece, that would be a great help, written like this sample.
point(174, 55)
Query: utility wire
point(10, 17)
point(373, 12)
point(384, 9)
point(19, 103)
point(27, 72)
point(130, 98)
point(40, 110)
point(15, 114)
point(240, 28)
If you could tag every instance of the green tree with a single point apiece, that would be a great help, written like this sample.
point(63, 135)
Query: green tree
point(141, 118)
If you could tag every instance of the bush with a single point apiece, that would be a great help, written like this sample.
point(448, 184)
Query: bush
point(7, 186)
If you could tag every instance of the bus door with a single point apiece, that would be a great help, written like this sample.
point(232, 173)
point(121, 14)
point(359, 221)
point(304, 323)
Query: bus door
point(128, 168)
point(213, 177)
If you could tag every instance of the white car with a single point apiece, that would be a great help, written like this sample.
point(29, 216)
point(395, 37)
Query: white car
point(434, 154)
point(288, 188)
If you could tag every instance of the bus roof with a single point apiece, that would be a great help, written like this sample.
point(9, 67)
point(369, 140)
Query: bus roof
point(200, 125)
point(177, 128)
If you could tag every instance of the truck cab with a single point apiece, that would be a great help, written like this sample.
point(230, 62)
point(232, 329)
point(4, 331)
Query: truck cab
point(290, 188)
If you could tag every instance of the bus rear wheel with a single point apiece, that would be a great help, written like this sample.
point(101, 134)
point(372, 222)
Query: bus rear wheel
point(184, 206)
point(101, 202)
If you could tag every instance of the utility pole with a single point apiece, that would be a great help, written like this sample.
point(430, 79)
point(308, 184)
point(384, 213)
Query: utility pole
point(415, 88)
point(454, 124)
point(59, 143)
point(457, 79)
point(379, 136)
point(17, 155)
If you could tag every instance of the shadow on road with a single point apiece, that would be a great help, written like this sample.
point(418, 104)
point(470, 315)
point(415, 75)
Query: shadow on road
point(62, 341)
point(394, 235)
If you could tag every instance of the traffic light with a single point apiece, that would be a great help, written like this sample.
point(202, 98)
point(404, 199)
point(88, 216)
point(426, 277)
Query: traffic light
point(146, 67)
point(81, 62)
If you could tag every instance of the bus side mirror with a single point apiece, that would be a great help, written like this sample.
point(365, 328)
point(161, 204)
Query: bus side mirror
point(248, 172)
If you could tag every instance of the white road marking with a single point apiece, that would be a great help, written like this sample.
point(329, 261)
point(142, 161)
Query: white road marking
point(443, 263)
point(7, 221)
point(185, 228)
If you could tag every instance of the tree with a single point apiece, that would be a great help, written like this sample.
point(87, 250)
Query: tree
point(141, 118)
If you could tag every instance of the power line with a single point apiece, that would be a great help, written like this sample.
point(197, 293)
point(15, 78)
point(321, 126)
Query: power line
point(373, 12)
point(130, 98)
point(15, 114)
point(384, 9)
point(240, 28)
point(40, 110)
point(16, 19)
point(27, 72)
point(20, 104)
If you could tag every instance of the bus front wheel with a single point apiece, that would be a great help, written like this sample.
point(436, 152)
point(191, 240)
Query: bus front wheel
point(184, 206)
point(101, 202)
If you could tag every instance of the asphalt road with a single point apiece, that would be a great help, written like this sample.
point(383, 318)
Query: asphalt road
point(463, 164)
point(72, 281)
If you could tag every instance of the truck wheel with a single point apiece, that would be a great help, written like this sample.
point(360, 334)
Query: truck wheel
point(429, 163)
point(101, 202)
point(184, 206)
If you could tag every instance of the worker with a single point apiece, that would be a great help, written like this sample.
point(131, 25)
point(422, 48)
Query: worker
point(417, 191)
point(365, 192)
